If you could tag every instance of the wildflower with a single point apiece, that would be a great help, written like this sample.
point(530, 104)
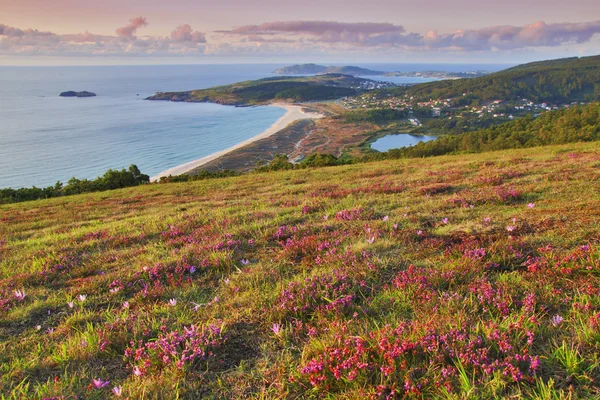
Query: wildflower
point(276, 328)
point(20, 295)
point(226, 281)
point(173, 302)
point(245, 262)
point(371, 240)
point(445, 220)
point(38, 327)
point(385, 218)
point(557, 319)
point(531, 205)
point(137, 371)
point(115, 289)
point(82, 297)
point(99, 383)
point(487, 220)
point(511, 228)
point(71, 304)
point(84, 343)
point(50, 331)
point(419, 232)
point(192, 269)
point(395, 226)
point(126, 305)
point(196, 306)
point(117, 391)
point(325, 217)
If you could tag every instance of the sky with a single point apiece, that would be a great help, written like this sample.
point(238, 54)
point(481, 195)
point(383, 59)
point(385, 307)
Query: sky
point(73, 32)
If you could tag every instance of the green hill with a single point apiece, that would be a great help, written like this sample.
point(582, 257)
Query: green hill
point(320, 87)
point(555, 81)
point(471, 276)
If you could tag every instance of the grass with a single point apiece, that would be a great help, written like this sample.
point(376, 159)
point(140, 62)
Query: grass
point(473, 276)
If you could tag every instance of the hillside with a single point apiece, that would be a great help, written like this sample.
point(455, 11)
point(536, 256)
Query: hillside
point(310, 69)
point(320, 87)
point(554, 81)
point(472, 276)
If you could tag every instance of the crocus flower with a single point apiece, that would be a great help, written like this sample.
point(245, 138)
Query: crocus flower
point(20, 295)
point(395, 226)
point(276, 328)
point(137, 371)
point(125, 304)
point(71, 304)
point(371, 240)
point(511, 228)
point(192, 269)
point(445, 220)
point(117, 391)
point(82, 297)
point(99, 383)
point(419, 232)
point(385, 218)
point(531, 205)
point(173, 302)
point(557, 319)
point(245, 262)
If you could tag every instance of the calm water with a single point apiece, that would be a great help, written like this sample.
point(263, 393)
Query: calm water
point(397, 141)
point(45, 138)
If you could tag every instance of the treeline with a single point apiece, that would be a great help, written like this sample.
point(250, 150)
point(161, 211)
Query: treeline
point(112, 179)
point(555, 81)
point(577, 124)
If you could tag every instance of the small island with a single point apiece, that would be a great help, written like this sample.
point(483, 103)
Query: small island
point(77, 94)
point(315, 69)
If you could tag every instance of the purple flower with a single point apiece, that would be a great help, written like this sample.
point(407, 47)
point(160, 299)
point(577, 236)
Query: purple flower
point(172, 302)
point(511, 228)
point(192, 269)
point(99, 383)
point(276, 328)
point(420, 232)
point(245, 262)
point(557, 319)
point(117, 391)
point(445, 220)
point(531, 205)
point(371, 240)
point(20, 295)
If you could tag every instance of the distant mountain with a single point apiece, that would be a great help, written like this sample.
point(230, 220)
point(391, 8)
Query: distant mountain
point(315, 69)
point(554, 81)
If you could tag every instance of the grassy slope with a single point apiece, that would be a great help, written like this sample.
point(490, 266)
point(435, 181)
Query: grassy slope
point(563, 80)
point(477, 293)
point(306, 88)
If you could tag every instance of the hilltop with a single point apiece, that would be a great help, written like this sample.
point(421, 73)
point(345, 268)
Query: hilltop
point(264, 91)
point(313, 69)
point(554, 81)
point(471, 276)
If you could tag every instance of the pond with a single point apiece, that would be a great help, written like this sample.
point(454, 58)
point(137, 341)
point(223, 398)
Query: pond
point(400, 140)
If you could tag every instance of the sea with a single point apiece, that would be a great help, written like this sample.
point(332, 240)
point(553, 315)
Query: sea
point(45, 138)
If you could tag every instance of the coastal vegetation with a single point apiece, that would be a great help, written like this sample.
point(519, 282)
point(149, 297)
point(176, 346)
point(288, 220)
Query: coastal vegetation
point(461, 277)
point(555, 81)
point(112, 179)
point(264, 91)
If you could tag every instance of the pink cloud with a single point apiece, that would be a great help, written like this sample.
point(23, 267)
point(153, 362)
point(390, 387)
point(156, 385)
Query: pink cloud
point(128, 31)
point(185, 33)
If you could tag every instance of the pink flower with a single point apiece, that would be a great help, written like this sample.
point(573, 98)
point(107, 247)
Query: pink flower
point(126, 305)
point(419, 232)
point(276, 328)
point(117, 391)
point(173, 302)
point(82, 297)
point(445, 220)
point(395, 226)
point(325, 217)
point(99, 383)
point(557, 319)
point(20, 295)
point(245, 262)
point(371, 240)
point(531, 205)
point(71, 304)
point(487, 220)
point(385, 218)
point(511, 228)
point(137, 371)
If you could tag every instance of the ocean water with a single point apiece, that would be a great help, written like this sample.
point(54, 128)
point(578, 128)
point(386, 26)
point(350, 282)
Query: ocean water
point(400, 140)
point(45, 138)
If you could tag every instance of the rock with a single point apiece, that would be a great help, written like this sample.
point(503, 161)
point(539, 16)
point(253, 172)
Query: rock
point(77, 94)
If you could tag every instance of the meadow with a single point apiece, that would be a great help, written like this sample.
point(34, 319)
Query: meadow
point(453, 277)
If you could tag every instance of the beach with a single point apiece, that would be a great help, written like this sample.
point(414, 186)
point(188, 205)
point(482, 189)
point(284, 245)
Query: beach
point(293, 113)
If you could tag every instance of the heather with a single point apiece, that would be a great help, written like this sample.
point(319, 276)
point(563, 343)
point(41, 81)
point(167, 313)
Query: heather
point(471, 276)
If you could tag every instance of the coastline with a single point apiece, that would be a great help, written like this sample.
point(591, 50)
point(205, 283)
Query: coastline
point(293, 113)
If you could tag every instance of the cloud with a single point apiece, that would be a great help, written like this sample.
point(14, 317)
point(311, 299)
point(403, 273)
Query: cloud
point(185, 33)
point(539, 34)
point(128, 31)
point(183, 41)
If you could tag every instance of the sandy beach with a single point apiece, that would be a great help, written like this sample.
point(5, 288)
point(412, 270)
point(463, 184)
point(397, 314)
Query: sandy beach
point(294, 113)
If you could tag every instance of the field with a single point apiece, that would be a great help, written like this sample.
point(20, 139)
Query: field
point(454, 277)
